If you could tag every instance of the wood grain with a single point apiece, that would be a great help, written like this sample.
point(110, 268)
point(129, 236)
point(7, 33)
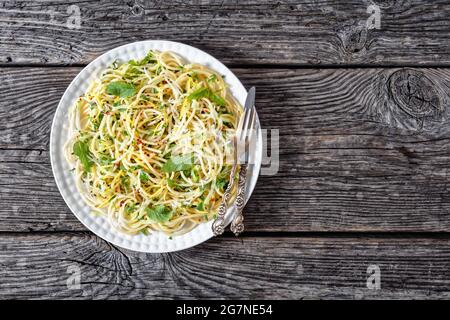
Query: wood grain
point(360, 150)
point(290, 32)
point(39, 266)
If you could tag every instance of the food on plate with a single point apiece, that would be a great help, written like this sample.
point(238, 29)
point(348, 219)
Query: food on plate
point(150, 143)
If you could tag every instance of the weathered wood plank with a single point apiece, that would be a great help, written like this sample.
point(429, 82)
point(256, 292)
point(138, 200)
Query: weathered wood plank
point(237, 32)
point(40, 266)
point(354, 156)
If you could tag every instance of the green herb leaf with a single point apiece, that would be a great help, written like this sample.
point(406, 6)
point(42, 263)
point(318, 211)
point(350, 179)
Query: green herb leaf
point(147, 59)
point(105, 160)
point(179, 163)
point(207, 93)
point(194, 75)
point(212, 78)
point(81, 150)
point(130, 208)
point(159, 214)
point(144, 176)
point(132, 72)
point(125, 183)
point(171, 183)
point(121, 89)
point(221, 183)
point(201, 206)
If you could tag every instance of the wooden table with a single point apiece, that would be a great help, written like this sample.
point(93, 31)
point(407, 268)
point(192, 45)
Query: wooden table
point(363, 182)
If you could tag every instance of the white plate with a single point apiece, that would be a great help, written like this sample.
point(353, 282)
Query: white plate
point(157, 241)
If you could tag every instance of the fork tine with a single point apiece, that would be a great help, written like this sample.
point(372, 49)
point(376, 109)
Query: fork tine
point(244, 124)
point(251, 125)
point(247, 119)
point(249, 129)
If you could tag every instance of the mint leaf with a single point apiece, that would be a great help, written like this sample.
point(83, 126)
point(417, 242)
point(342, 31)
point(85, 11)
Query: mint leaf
point(179, 163)
point(81, 150)
point(159, 213)
point(121, 89)
point(207, 93)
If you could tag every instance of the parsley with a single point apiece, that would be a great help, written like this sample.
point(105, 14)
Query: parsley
point(212, 78)
point(147, 59)
point(130, 208)
point(207, 93)
point(125, 183)
point(144, 232)
point(121, 89)
point(195, 178)
point(144, 97)
point(96, 123)
point(81, 150)
point(159, 213)
point(132, 72)
point(144, 176)
point(221, 183)
point(194, 75)
point(171, 183)
point(105, 160)
point(201, 206)
point(179, 163)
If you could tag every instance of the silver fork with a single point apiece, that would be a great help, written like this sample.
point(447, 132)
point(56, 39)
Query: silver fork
point(241, 142)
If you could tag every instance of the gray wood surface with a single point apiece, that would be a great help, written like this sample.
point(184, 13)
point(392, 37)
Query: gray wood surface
point(363, 118)
point(277, 268)
point(237, 32)
point(351, 159)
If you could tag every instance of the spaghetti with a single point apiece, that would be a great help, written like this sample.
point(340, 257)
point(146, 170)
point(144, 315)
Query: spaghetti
point(149, 143)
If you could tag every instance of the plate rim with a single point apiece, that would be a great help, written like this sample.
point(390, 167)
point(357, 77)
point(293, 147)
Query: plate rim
point(52, 144)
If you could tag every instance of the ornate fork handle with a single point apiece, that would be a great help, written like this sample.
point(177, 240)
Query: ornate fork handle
point(218, 225)
point(237, 226)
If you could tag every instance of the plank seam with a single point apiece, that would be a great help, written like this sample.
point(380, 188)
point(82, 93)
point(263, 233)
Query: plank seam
point(261, 66)
point(278, 234)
